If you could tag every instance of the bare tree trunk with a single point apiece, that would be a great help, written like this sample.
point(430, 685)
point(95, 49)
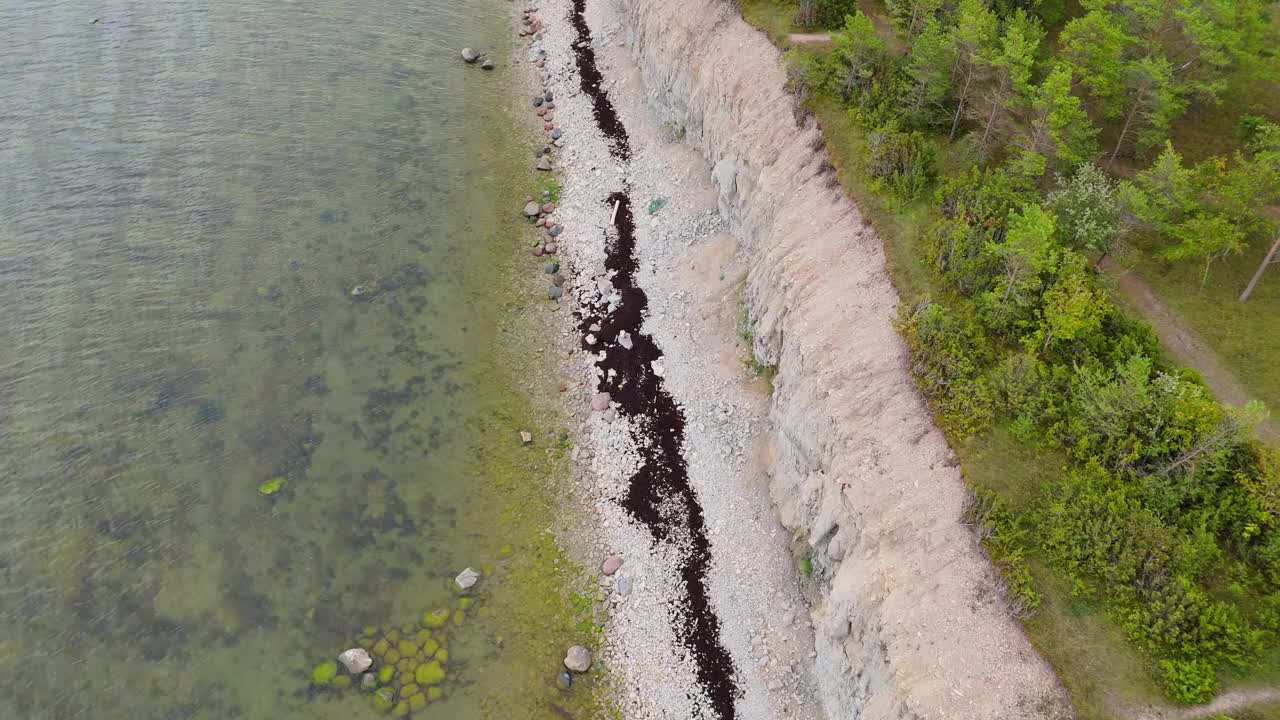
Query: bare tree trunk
point(964, 94)
point(1123, 132)
point(1275, 246)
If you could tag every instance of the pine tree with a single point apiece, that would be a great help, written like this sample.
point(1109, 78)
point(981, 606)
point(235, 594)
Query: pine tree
point(1008, 72)
point(926, 83)
point(971, 40)
point(1059, 136)
point(860, 55)
point(911, 16)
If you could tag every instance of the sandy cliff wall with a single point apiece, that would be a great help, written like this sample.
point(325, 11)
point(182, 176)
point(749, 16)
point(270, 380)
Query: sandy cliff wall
point(908, 624)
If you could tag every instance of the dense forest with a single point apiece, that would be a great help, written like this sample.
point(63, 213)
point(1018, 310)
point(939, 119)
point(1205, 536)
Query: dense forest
point(1039, 134)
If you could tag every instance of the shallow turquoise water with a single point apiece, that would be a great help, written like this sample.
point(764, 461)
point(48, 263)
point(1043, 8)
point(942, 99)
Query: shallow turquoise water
point(188, 192)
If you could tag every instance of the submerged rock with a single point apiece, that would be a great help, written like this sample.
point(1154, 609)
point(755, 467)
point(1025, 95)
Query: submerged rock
point(368, 682)
point(355, 660)
point(469, 55)
point(554, 293)
point(578, 659)
point(435, 618)
point(486, 65)
point(564, 680)
point(429, 673)
point(384, 699)
point(544, 163)
point(324, 673)
point(468, 577)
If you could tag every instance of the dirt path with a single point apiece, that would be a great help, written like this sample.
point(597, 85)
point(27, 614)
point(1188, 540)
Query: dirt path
point(1180, 342)
point(809, 38)
point(1224, 703)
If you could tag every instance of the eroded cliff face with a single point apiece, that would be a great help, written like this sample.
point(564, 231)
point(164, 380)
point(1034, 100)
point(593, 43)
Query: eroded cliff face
point(909, 621)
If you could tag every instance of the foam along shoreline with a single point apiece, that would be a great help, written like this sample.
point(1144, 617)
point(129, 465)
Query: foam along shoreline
point(900, 618)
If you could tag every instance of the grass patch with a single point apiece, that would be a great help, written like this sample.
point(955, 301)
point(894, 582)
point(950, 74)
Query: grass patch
point(1245, 335)
point(775, 17)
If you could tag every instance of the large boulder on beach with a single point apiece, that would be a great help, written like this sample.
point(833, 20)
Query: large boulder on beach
point(531, 209)
point(578, 659)
point(469, 55)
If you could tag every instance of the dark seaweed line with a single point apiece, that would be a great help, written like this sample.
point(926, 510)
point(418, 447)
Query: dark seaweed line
point(659, 494)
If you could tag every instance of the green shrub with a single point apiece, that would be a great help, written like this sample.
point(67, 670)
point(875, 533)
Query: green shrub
point(1002, 535)
point(903, 163)
point(1189, 682)
point(948, 355)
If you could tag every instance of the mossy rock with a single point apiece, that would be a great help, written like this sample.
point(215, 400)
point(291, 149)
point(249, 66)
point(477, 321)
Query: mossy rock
point(386, 674)
point(369, 630)
point(465, 603)
point(272, 486)
point(384, 699)
point(442, 656)
point(342, 682)
point(429, 647)
point(429, 673)
point(324, 673)
point(459, 617)
point(368, 682)
point(406, 678)
point(403, 665)
point(435, 618)
point(417, 702)
point(407, 648)
point(423, 636)
point(434, 693)
point(393, 635)
point(366, 642)
point(408, 631)
point(408, 691)
point(401, 709)
point(381, 647)
point(411, 664)
point(506, 551)
point(392, 657)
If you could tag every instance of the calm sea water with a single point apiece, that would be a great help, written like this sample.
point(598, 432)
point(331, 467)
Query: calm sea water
point(188, 192)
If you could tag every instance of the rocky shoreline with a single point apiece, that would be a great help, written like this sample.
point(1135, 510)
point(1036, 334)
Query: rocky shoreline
point(671, 628)
point(792, 549)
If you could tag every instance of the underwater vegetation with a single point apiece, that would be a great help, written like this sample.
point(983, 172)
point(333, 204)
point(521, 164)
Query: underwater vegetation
point(408, 670)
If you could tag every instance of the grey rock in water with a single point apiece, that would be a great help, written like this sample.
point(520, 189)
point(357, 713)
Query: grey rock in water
point(555, 230)
point(578, 659)
point(624, 339)
point(554, 293)
point(547, 96)
point(551, 268)
point(557, 279)
point(537, 101)
point(544, 163)
point(600, 402)
point(611, 564)
point(486, 65)
point(467, 578)
point(355, 660)
point(469, 55)
point(531, 209)
point(369, 682)
point(555, 134)
point(564, 680)
point(551, 248)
